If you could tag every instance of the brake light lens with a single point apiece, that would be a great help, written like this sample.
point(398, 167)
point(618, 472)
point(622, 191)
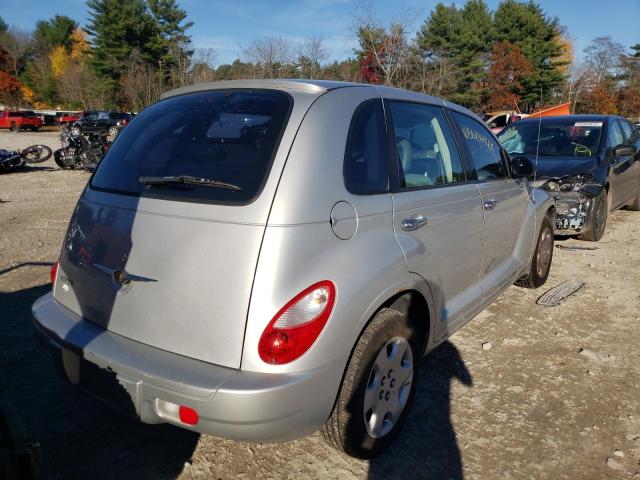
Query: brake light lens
point(298, 324)
point(54, 272)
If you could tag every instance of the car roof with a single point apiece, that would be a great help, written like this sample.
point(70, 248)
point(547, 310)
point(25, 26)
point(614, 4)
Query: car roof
point(311, 86)
point(315, 86)
point(570, 118)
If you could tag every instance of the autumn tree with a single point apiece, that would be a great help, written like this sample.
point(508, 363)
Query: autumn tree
point(507, 72)
point(10, 89)
point(600, 77)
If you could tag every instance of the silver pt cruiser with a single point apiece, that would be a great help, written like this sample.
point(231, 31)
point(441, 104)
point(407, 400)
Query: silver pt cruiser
point(257, 260)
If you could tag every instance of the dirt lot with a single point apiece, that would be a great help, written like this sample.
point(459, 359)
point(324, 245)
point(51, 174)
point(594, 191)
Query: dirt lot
point(555, 395)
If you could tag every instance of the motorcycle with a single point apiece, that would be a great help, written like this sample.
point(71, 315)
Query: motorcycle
point(11, 160)
point(81, 151)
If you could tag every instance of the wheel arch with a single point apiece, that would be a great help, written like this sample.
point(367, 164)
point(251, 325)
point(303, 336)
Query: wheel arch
point(415, 307)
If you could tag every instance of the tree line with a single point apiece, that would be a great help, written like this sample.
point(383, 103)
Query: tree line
point(515, 57)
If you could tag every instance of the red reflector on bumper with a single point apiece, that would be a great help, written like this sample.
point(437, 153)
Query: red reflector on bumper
point(188, 415)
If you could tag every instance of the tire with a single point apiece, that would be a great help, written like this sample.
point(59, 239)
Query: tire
point(36, 154)
point(14, 127)
point(597, 219)
point(540, 264)
point(349, 427)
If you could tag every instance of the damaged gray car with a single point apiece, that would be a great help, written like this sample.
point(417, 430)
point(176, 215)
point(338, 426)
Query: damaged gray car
point(588, 164)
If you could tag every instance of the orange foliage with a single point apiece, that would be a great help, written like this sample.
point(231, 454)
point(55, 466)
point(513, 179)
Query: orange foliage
point(600, 99)
point(9, 88)
point(79, 44)
point(8, 83)
point(508, 68)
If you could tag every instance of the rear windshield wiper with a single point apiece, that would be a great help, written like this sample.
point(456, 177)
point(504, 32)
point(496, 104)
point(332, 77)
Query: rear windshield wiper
point(187, 180)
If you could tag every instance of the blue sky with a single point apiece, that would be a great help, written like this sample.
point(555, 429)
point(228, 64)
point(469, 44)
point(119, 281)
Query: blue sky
point(228, 25)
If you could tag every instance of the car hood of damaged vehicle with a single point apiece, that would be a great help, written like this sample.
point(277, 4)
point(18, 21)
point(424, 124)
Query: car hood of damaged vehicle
point(561, 166)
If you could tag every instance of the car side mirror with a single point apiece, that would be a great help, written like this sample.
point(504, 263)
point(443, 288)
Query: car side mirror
point(623, 150)
point(521, 167)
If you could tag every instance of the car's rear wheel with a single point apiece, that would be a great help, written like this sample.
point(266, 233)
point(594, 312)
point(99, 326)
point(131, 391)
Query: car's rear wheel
point(378, 387)
point(540, 264)
point(14, 127)
point(597, 219)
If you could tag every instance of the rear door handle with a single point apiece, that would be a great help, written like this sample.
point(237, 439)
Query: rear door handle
point(489, 204)
point(414, 223)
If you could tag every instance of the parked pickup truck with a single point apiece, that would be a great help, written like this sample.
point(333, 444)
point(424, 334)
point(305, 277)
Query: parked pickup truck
point(15, 120)
point(67, 118)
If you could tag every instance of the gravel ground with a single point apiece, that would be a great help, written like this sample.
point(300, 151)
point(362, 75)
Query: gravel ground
point(523, 391)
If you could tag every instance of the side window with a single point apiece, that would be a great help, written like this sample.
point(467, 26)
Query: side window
point(427, 153)
point(614, 135)
point(499, 122)
point(627, 132)
point(483, 148)
point(366, 164)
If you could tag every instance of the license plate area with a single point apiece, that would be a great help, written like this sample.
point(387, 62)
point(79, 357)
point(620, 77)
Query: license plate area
point(119, 393)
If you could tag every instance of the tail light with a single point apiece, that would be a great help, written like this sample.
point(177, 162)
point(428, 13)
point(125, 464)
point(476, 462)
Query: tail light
point(54, 272)
point(297, 325)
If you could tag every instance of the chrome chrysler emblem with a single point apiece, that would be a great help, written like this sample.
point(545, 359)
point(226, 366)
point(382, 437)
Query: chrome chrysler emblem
point(121, 276)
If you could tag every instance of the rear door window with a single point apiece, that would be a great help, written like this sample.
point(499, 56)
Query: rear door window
point(483, 148)
point(226, 138)
point(427, 153)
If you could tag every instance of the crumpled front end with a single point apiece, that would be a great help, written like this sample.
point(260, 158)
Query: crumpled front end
point(574, 199)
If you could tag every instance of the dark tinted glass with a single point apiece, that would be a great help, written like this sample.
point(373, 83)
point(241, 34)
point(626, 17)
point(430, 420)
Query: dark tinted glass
point(366, 166)
point(614, 134)
point(558, 137)
point(427, 152)
point(228, 136)
point(484, 149)
point(627, 132)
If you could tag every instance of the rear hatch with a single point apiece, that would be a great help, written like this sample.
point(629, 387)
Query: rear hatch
point(163, 244)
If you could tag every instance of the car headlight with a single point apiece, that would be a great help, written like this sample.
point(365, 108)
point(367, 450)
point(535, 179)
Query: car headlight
point(567, 184)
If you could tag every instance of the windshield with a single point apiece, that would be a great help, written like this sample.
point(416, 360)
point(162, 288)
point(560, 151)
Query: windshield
point(225, 136)
point(557, 138)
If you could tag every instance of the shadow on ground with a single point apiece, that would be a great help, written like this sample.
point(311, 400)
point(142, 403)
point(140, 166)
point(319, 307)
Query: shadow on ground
point(427, 447)
point(80, 437)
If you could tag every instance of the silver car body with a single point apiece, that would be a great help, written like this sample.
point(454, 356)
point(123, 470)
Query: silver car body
point(206, 279)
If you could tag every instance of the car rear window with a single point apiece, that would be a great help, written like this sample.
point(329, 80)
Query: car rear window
point(224, 136)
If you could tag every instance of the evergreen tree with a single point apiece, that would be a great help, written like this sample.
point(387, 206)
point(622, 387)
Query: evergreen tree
point(527, 26)
point(116, 29)
point(474, 44)
point(171, 39)
point(457, 42)
point(55, 32)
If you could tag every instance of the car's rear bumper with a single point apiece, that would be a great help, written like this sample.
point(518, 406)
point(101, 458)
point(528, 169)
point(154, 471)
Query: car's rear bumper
point(230, 403)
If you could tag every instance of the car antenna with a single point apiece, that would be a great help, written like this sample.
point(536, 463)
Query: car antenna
point(535, 171)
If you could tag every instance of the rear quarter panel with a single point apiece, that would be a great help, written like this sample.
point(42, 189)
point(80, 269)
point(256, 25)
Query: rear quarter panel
point(300, 248)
